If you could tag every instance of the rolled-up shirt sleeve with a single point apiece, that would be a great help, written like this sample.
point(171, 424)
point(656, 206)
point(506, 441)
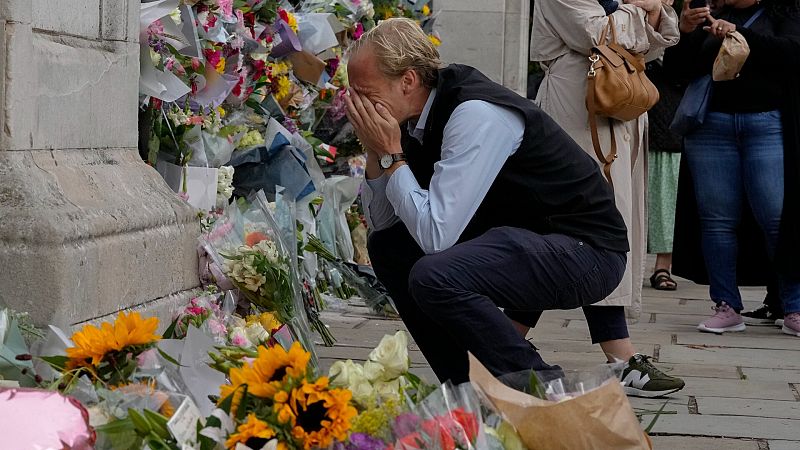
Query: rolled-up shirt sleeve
point(378, 211)
point(478, 139)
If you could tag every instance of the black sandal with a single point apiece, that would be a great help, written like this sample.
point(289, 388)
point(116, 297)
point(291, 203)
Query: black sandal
point(661, 280)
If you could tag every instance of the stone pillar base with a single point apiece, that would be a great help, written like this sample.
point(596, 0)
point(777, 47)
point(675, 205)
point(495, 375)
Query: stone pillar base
point(85, 233)
point(86, 228)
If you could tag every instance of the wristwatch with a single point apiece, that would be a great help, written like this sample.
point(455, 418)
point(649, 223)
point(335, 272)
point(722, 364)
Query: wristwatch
point(388, 160)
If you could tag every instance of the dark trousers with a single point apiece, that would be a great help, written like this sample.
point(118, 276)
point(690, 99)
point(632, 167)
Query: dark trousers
point(773, 298)
point(450, 301)
point(606, 323)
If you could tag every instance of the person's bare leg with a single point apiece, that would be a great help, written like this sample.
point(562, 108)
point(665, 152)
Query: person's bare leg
point(621, 349)
point(664, 261)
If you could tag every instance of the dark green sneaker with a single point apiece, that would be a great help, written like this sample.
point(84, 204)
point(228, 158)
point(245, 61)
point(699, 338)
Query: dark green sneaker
point(642, 379)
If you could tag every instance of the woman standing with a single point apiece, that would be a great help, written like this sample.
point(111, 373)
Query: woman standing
point(746, 151)
point(562, 36)
point(663, 166)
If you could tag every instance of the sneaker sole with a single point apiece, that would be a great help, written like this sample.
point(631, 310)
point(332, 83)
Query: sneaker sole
point(736, 328)
point(634, 392)
point(789, 331)
point(757, 322)
point(779, 323)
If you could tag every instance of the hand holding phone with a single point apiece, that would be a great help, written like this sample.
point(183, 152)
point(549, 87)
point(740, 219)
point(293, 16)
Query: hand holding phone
point(694, 14)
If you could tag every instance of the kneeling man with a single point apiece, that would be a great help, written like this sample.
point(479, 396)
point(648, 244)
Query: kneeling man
point(476, 200)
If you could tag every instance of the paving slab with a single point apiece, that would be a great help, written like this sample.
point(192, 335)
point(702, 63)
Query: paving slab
point(719, 406)
point(753, 338)
point(728, 426)
point(702, 371)
point(767, 374)
point(784, 445)
point(701, 443)
point(784, 359)
point(715, 387)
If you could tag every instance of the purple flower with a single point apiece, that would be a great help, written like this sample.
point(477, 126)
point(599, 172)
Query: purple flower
point(406, 423)
point(362, 441)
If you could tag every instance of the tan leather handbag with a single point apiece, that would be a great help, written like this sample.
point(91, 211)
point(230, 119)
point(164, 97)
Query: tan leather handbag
point(617, 89)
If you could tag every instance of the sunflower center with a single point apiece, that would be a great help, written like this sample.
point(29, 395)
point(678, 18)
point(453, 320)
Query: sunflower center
point(256, 442)
point(311, 418)
point(279, 373)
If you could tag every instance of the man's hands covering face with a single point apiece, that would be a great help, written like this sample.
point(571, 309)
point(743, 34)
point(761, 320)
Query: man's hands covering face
point(375, 127)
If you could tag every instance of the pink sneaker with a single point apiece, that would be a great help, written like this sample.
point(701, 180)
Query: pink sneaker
point(724, 319)
point(791, 324)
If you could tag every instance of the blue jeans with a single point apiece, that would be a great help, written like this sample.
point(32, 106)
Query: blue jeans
point(736, 158)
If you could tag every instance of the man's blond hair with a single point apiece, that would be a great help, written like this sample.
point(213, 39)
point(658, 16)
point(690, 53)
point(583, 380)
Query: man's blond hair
point(401, 45)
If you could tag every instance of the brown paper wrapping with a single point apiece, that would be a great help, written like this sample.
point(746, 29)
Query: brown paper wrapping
point(598, 420)
point(731, 57)
point(307, 67)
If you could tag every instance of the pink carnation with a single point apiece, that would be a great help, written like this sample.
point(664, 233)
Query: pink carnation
point(227, 8)
point(196, 310)
point(358, 32)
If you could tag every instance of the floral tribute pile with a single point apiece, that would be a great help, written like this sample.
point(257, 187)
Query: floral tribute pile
point(113, 386)
point(220, 78)
point(244, 96)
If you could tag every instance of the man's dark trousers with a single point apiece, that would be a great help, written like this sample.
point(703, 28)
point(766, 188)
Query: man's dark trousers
point(449, 300)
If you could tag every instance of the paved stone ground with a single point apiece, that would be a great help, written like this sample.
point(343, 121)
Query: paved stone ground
point(742, 390)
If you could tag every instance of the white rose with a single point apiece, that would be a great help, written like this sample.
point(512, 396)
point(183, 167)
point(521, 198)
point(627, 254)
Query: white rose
point(342, 373)
point(363, 394)
point(373, 371)
point(256, 333)
point(392, 354)
point(386, 390)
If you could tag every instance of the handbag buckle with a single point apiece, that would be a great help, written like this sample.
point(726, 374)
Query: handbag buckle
point(594, 59)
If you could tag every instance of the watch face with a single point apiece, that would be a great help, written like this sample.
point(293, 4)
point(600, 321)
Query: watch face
point(386, 161)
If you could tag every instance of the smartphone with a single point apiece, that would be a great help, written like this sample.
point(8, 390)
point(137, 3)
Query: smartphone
point(694, 4)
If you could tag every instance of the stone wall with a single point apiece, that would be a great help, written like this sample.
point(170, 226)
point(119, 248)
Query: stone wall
point(86, 228)
point(491, 35)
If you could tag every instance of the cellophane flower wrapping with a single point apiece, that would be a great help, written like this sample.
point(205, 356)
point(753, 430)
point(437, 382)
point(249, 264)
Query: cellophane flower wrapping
point(249, 246)
point(561, 385)
point(450, 418)
point(285, 211)
point(207, 312)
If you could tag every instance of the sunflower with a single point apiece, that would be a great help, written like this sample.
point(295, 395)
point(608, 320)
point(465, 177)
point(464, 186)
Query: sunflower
point(94, 343)
point(316, 414)
point(253, 433)
point(267, 374)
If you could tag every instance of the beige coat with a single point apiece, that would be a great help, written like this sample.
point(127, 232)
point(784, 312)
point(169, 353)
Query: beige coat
point(561, 38)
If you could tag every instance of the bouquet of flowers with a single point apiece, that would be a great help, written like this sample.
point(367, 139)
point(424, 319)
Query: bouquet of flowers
point(274, 401)
point(203, 312)
point(447, 419)
point(588, 407)
point(107, 355)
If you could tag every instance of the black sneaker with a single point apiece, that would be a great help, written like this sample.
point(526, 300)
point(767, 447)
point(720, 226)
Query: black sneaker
point(642, 379)
point(761, 316)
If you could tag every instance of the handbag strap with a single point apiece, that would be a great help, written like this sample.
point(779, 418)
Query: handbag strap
point(605, 34)
point(604, 160)
point(753, 18)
